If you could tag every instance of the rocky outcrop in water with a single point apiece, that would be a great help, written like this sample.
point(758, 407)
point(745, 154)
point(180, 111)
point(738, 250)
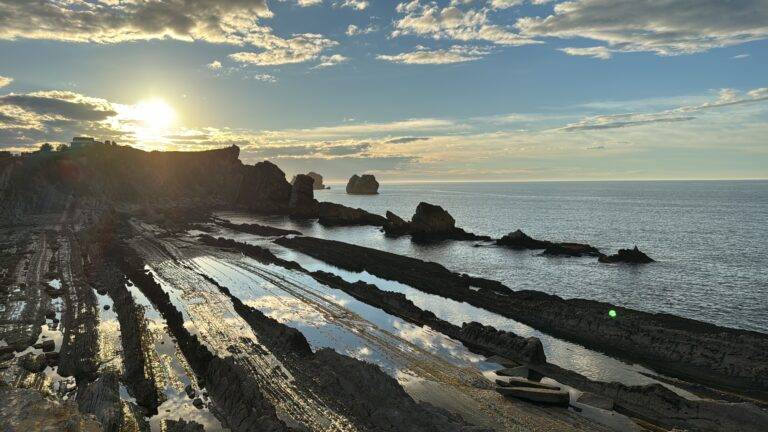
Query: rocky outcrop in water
point(332, 214)
point(363, 185)
point(256, 229)
point(317, 181)
point(628, 256)
point(263, 188)
point(429, 223)
point(520, 240)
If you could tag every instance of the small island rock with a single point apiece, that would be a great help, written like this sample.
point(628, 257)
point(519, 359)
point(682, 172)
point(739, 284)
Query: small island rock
point(629, 256)
point(363, 185)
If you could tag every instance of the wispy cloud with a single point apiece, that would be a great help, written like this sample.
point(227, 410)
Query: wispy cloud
point(4, 81)
point(422, 55)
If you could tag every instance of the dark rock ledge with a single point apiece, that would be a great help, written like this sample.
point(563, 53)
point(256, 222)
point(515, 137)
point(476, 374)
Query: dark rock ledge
point(653, 403)
point(520, 240)
point(730, 359)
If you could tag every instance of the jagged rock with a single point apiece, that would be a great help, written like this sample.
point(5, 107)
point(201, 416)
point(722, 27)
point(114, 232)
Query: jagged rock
point(430, 222)
point(190, 391)
point(302, 203)
point(629, 256)
point(332, 214)
point(198, 403)
point(33, 363)
point(318, 180)
point(256, 229)
point(505, 343)
point(363, 185)
point(29, 410)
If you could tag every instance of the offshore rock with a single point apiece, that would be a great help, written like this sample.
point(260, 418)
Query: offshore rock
point(302, 204)
point(318, 181)
point(332, 214)
point(629, 256)
point(520, 240)
point(429, 223)
point(363, 185)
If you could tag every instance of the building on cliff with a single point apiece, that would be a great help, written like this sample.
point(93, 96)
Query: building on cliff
point(81, 141)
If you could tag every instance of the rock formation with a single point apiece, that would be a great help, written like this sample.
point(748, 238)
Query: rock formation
point(629, 256)
point(264, 188)
point(363, 185)
point(332, 214)
point(520, 240)
point(318, 180)
point(429, 223)
point(302, 204)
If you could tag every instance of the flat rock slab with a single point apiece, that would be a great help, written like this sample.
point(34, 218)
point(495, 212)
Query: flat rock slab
point(596, 401)
point(522, 382)
point(555, 397)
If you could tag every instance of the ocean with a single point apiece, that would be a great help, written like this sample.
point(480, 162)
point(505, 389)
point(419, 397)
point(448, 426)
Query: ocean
point(709, 239)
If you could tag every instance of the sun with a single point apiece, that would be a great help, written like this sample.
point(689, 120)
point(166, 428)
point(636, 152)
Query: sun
point(154, 114)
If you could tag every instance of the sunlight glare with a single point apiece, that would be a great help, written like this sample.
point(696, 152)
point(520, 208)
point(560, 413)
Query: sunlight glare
point(155, 114)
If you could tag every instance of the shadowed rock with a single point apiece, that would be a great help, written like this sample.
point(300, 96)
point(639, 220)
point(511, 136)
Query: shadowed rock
point(429, 223)
point(302, 204)
point(332, 214)
point(520, 240)
point(629, 256)
point(363, 185)
point(318, 180)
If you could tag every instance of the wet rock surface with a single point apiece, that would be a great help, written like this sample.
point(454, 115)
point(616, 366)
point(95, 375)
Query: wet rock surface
point(29, 410)
point(256, 229)
point(719, 356)
point(183, 426)
point(363, 185)
point(102, 399)
point(629, 256)
point(429, 223)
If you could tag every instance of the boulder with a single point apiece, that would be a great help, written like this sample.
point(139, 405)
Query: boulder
point(363, 185)
point(332, 214)
point(629, 256)
point(302, 203)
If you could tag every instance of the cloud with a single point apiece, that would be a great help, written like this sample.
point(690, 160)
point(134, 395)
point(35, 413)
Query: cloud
point(265, 78)
point(61, 105)
point(598, 52)
point(740, 56)
point(332, 60)
point(306, 3)
point(214, 65)
point(726, 98)
point(423, 55)
point(117, 21)
point(355, 4)
point(234, 22)
point(664, 27)
point(277, 51)
point(453, 22)
point(405, 140)
point(354, 30)
point(4, 81)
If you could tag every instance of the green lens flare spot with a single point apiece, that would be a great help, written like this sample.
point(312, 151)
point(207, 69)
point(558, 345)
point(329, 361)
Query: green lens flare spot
point(612, 313)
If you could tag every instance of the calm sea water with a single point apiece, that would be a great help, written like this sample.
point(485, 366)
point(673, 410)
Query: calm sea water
point(709, 238)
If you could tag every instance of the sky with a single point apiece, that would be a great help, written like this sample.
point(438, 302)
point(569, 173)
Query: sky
point(449, 90)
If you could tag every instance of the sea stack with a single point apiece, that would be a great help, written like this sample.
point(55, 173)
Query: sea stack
point(302, 203)
point(318, 185)
point(363, 185)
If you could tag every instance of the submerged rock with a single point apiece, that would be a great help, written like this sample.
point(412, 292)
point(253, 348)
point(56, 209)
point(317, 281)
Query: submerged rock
point(332, 214)
point(629, 256)
point(363, 185)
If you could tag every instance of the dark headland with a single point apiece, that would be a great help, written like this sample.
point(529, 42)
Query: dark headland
point(116, 267)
